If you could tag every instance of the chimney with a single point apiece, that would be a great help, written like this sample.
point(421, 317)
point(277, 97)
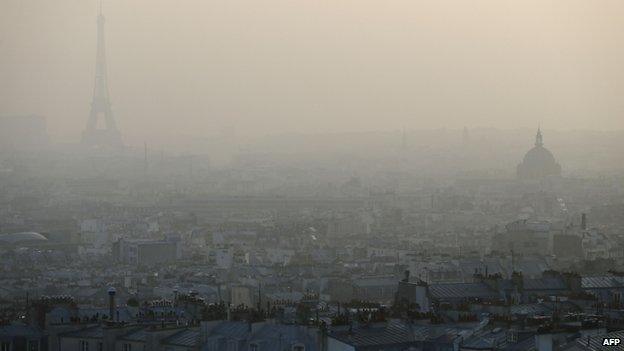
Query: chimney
point(407, 274)
point(583, 221)
point(518, 280)
point(492, 281)
point(573, 280)
point(111, 303)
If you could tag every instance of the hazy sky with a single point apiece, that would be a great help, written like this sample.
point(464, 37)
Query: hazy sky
point(199, 66)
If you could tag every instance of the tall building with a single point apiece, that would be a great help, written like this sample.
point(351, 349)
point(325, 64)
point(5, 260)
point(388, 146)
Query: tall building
point(106, 136)
point(539, 162)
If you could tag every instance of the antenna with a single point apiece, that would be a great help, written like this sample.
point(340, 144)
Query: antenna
point(259, 298)
point(404, 141)
point(513, 263)
point(145, 164)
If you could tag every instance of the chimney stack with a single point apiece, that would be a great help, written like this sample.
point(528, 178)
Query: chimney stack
point(583, 221)
point(111, 303)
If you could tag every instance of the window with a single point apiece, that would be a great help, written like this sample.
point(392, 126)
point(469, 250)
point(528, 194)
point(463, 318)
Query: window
point(100, 346)
point(253, 347)
point(33, 345)
point(298, 347)
point(5, 346)
point(84, 345)
point(127, 347)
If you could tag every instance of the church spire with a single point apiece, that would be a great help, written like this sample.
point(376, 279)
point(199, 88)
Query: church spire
point(539, 141)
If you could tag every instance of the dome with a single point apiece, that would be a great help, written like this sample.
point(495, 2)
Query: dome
point(538, 162)
point(539, 155)
point(20, 238)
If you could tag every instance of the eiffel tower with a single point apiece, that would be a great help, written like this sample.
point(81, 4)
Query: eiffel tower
point(108, 136)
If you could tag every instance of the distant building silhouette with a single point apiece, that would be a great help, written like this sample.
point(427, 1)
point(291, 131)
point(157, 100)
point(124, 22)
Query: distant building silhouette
point(109, 136)
point(538, 163)
point(465, 137)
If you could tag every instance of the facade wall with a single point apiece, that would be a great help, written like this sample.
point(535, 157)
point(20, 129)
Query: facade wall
point(75, 344)
point(156, 253)
point(122, 345)
point(335, 345)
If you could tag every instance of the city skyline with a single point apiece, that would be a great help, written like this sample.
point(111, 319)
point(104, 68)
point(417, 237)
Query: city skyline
point(396, 68)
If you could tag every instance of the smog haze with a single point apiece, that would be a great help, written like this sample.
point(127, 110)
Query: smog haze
point(197, 68)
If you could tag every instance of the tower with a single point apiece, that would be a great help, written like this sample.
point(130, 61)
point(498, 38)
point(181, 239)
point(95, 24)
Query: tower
point(112, 307)
point(539, 140)
point(108, 136)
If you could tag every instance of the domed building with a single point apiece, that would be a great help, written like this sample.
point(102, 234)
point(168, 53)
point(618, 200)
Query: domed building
point(538, 163)
point(26, 239)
